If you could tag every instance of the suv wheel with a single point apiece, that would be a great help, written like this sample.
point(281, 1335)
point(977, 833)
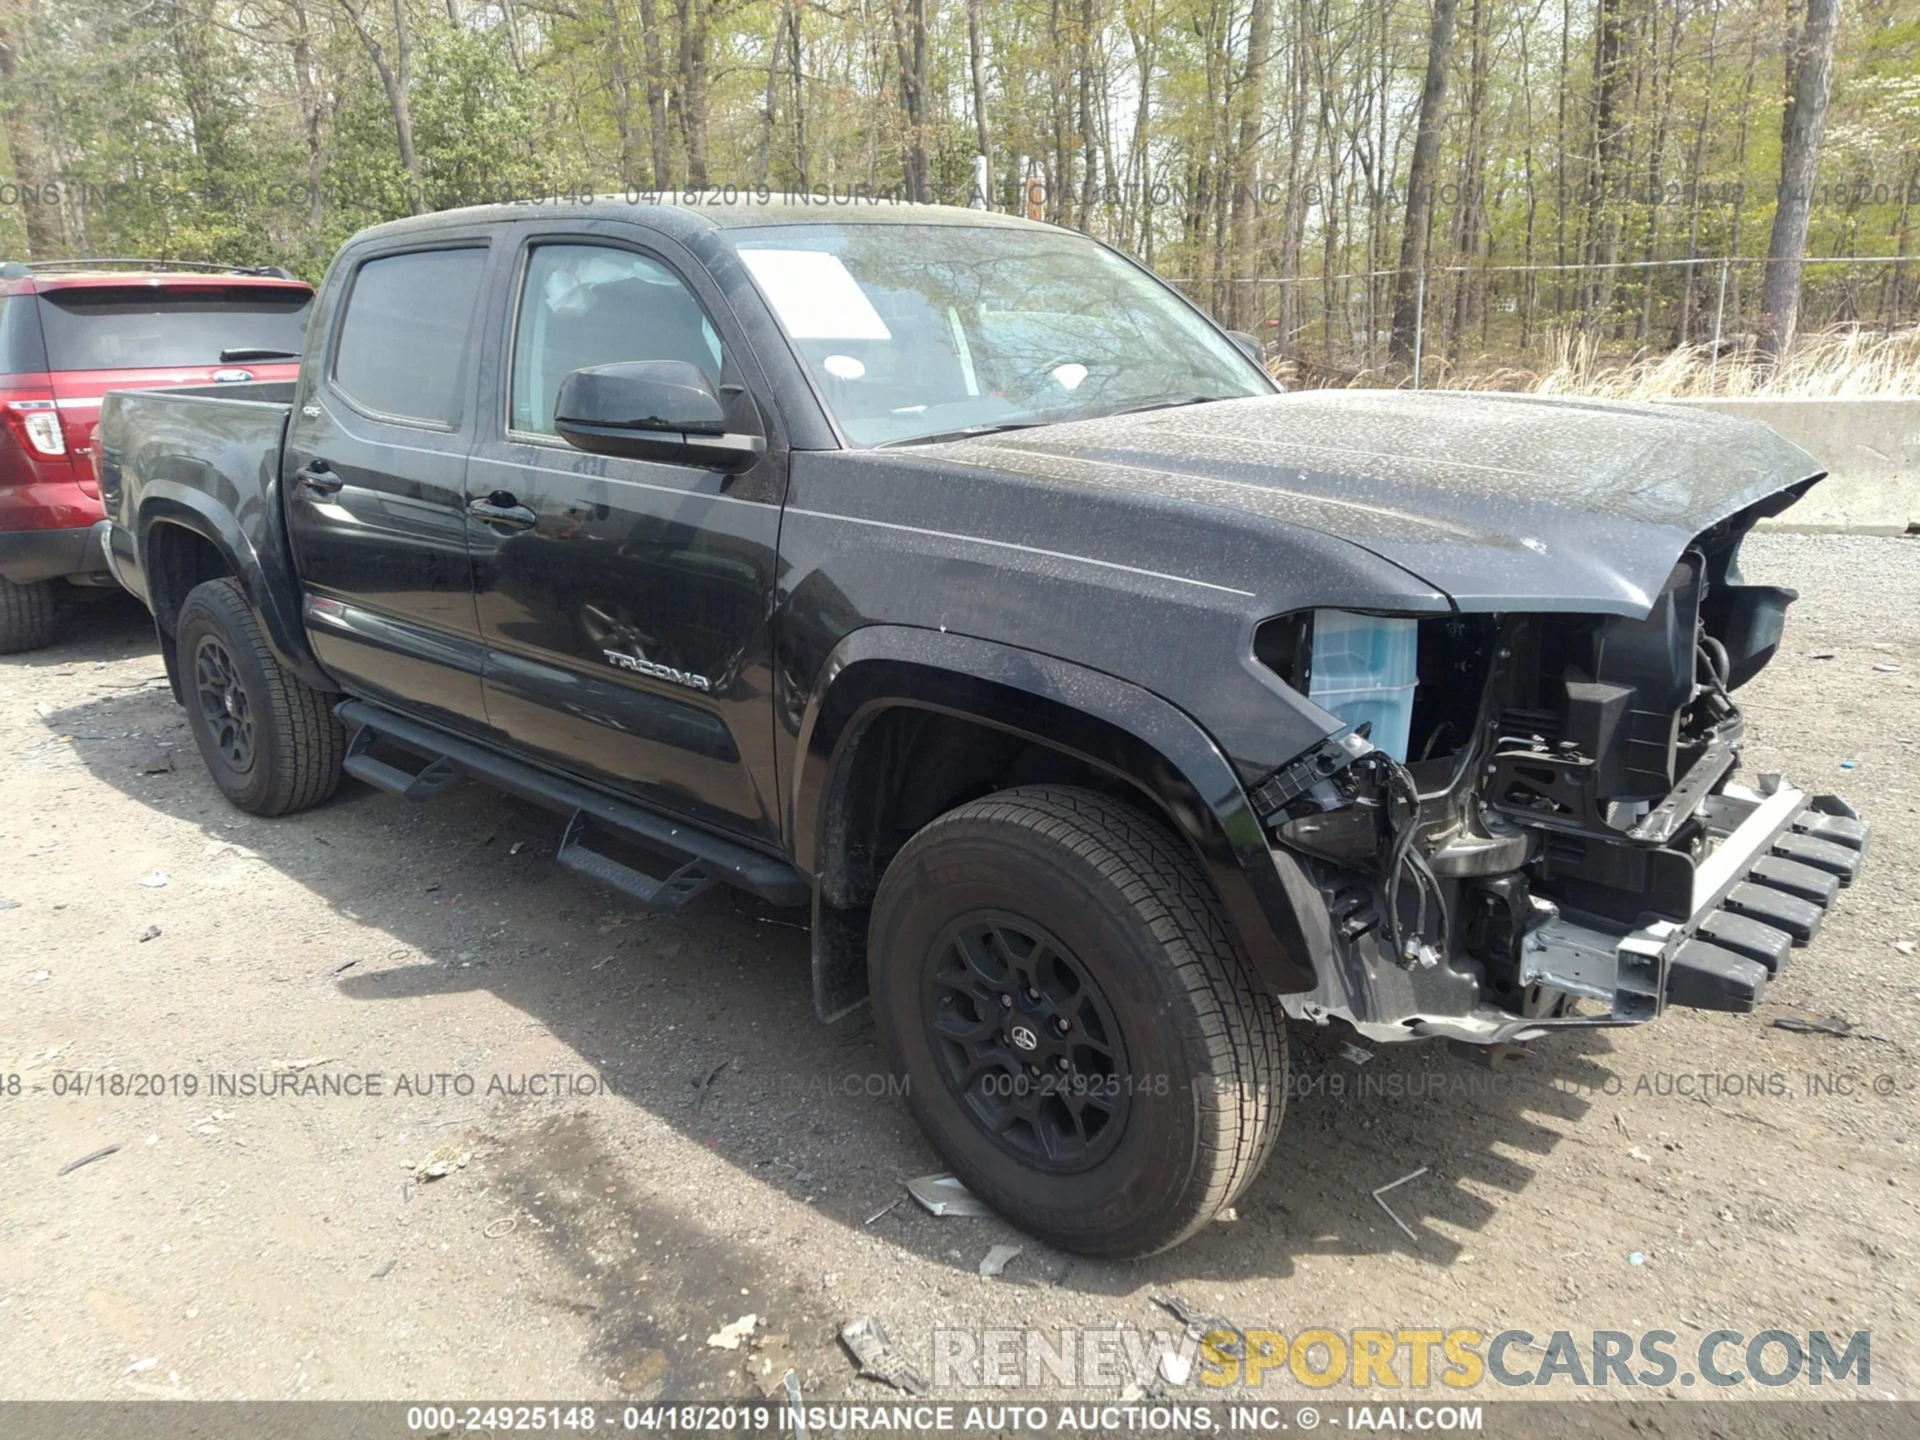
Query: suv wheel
point(29, 615)
point(271, 743)
point(1056, 981)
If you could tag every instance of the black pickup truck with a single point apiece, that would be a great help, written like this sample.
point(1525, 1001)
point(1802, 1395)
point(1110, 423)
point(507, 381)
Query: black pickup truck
point(955, 577)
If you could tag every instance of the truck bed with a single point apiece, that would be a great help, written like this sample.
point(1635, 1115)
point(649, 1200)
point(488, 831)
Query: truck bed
point(219, 441)
point(203, 459)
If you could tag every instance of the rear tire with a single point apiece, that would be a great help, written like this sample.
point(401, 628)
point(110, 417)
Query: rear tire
point(29, 616)
point(1048, 924)
point(271, 743)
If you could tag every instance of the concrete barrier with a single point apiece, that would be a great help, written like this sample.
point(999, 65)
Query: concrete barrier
point(1871, 449)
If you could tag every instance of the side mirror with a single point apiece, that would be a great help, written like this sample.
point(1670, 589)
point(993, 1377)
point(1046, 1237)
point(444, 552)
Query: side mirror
point(651, 410)
point(1248, 343)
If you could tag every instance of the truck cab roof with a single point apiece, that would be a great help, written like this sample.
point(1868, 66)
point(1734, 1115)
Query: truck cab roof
point(674, 216)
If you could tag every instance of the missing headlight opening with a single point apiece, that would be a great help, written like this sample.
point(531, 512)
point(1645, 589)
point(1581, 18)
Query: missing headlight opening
point(1521, 811)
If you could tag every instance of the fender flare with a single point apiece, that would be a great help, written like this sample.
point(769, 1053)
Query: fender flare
point(1111, 724)
point(266, 580)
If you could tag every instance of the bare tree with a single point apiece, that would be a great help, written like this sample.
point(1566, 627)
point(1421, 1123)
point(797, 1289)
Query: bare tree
point(46, 236)
point(393, 78)
point(1420, 178)
point(1800, 134)
point(656, 96)
point(977, 59)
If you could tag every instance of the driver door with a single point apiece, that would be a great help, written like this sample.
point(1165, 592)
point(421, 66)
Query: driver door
point(623, 604)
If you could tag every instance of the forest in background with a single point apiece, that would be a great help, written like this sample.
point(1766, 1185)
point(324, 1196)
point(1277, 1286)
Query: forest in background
point(1590, 181)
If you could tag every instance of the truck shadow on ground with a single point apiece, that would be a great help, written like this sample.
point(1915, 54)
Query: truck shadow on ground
point(704, 1018)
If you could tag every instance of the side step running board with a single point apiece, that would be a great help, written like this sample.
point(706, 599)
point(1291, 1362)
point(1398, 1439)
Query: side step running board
point(438, 774)
point(691, 879)
point(703, 858)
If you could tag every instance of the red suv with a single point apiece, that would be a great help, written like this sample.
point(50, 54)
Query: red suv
point(70, 330)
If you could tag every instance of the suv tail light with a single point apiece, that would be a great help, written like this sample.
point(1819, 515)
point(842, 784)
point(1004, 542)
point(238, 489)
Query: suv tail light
point(34, 418)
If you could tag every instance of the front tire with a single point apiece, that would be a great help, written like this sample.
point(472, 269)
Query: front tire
point(271, 743)
point(1056, 980)
point(29, 616)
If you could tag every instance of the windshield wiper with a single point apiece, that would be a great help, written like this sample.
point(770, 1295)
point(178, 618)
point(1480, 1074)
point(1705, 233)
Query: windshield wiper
point(965, 432)
point(1165, 402)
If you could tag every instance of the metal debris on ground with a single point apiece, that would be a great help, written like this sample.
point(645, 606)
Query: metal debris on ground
point(994, 1262)
point(1905, 947)
point(73, 1165)
point(732, 1336)
point(441, 1162)
point(945, 1196)
point(881, 1211)
point(154, 879)
point(866, 1339)
point(703, 1085)
point(1359, 1055)
point(792, 1382)
point(1394, 1185)
point(1833, 1025)
point(1200, 1325)
point(501, 1228)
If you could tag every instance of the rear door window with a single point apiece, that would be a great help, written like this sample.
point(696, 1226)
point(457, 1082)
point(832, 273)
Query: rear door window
point(403, 349)
point(159, 327)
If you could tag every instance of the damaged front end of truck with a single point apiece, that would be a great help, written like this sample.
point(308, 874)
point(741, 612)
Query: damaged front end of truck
point(1549, 817)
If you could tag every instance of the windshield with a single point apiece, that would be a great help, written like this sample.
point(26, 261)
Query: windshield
point(137, 327)
point(918, 331)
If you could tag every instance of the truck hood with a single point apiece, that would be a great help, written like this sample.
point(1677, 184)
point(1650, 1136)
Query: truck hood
point(1502, 502)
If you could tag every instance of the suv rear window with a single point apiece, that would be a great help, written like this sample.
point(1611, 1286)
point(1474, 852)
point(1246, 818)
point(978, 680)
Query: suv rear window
point(156, 327)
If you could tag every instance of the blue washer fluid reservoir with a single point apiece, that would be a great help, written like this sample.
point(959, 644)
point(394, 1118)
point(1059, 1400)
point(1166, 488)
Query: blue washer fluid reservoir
point(1366, 667)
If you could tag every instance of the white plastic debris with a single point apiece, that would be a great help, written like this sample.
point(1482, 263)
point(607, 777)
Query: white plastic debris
point(995, 1260)
point(945, 1196)
point(730, 1337)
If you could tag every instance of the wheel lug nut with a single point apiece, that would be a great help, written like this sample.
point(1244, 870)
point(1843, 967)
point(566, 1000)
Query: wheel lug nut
point(1006, 1002)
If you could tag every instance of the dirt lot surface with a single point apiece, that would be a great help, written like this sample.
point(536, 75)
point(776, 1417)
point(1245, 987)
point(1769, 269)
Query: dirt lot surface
point(714, 1152)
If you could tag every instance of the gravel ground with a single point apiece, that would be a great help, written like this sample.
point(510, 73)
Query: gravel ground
point(700, 1148)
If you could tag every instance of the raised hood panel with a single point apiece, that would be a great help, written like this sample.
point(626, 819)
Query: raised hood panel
point(1504, 502)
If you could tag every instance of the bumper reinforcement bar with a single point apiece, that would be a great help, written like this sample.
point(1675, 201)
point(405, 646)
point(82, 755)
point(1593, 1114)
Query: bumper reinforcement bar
point(1782, 857)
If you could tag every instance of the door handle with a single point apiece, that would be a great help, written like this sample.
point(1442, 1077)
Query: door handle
point(503, 511)
point(319, 481)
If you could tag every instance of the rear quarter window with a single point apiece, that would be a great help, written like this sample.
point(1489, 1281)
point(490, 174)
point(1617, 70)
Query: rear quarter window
point(22, 350)
point(402, 348)
point(157, 327)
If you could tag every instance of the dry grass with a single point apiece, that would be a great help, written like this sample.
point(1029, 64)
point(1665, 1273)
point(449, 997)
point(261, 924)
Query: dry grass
point(1842, 363)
